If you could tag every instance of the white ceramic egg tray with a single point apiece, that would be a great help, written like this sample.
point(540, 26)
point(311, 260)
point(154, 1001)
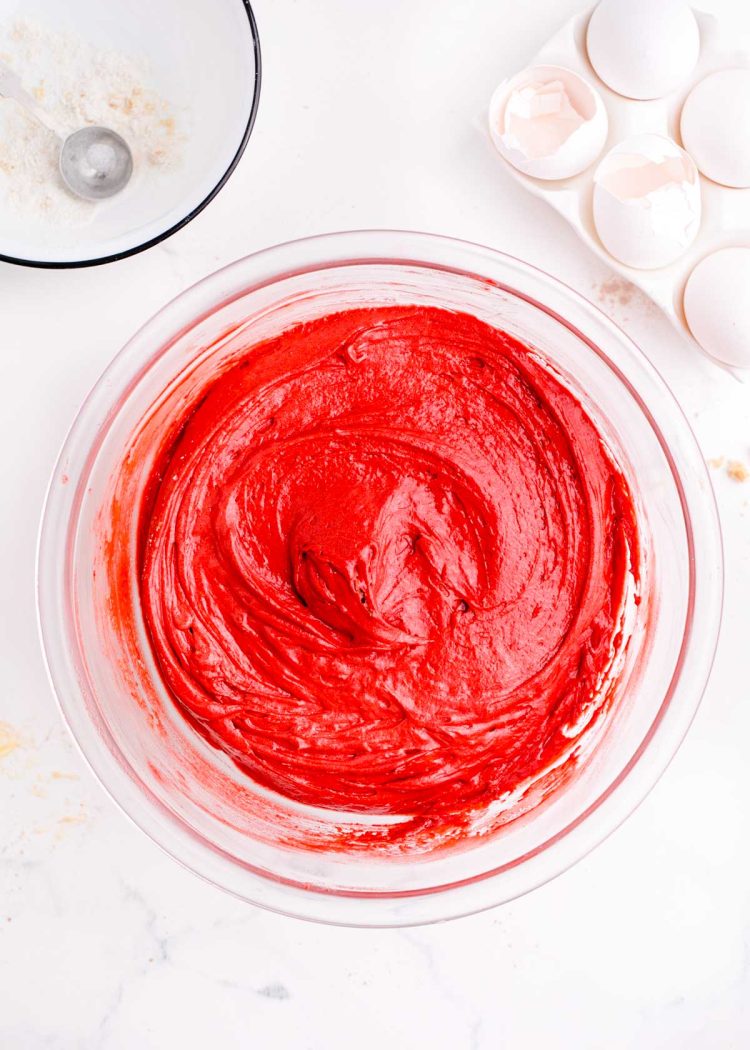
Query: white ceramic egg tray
point(725, 212)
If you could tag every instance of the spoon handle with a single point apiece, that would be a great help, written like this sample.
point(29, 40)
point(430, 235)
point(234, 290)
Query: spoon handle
point(11, 87)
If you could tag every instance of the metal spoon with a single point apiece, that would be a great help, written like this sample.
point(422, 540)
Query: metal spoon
point(95, 162)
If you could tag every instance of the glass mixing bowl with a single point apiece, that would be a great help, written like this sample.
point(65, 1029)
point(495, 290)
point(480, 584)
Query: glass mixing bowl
point(187, 796)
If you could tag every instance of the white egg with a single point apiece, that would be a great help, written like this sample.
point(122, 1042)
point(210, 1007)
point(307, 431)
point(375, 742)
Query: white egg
point(715, 126)
point(548, 122)
point(647, 201)
point(643, 48)
point(717, 305)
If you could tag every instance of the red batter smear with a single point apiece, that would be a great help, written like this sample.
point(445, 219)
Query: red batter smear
point(384, 564)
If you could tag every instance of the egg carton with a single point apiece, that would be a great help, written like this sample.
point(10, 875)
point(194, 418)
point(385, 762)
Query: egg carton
point(725, 219)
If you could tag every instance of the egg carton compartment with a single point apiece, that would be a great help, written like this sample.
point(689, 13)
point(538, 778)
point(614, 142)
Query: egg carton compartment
point(725, 212)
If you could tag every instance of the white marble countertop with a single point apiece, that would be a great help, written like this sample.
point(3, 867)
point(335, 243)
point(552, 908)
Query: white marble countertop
point(366, 119)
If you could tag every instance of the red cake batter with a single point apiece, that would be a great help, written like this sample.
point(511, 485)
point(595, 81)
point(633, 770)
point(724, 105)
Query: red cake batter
point(384, 564)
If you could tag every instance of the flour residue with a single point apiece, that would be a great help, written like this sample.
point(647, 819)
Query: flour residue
point(42, 801)
point(10, 740)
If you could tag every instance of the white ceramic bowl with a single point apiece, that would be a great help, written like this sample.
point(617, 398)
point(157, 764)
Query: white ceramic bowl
point(203, 59)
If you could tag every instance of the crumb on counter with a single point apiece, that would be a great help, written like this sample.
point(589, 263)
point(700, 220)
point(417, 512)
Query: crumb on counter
point(734, 468)
point(737, 470)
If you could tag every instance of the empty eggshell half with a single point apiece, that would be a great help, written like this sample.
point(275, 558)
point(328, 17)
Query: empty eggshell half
point(647, 201)
point(717, 305)
point(643, 48)
point(715, 126)
point(548, 122)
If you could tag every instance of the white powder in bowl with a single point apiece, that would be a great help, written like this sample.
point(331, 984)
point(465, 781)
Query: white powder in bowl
point(78, 84)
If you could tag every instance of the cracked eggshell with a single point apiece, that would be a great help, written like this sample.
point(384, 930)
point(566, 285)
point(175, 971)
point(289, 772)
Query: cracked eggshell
point(647, 201)
point(548, 122)
point(643, 49)
point(717, 305)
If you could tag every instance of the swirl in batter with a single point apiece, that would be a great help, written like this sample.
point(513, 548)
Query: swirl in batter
point(384, 564)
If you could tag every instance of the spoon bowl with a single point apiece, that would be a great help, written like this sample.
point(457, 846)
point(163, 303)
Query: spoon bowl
point(95, 163)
